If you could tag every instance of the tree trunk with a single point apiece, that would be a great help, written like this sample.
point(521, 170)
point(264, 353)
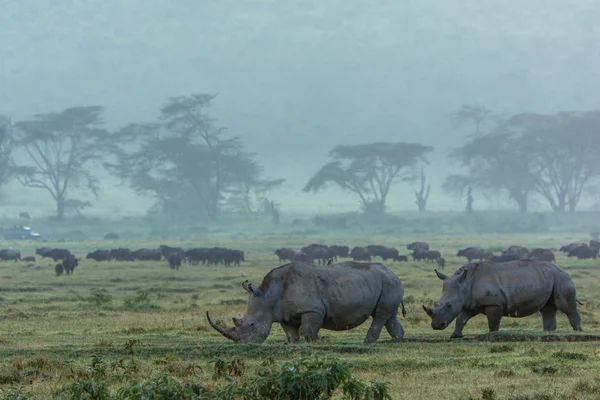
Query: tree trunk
point(60, 208)
point(522, 202)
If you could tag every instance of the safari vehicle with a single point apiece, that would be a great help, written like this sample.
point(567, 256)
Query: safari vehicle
point(20, 233)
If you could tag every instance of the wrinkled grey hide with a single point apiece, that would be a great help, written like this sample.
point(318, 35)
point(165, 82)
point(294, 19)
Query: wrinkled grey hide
point(514, 289)
point(337, 297)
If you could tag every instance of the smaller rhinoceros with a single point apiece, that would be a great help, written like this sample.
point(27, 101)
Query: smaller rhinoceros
point(338, 297)
point(513, 289)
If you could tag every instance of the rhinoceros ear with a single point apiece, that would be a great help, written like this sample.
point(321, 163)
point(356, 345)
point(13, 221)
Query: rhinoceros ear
point(249, 288)
point(440, 275)
point(463, 276)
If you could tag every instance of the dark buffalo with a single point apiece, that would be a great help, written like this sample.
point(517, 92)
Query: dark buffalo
point(471, 253)
point(166, 251)
point(383, 252)
point(285, 254)
point(300, 256)
point(584, 252)
point(69, 264)
point(519, 251)
point(196, 255)
point(571, 246)
point(360, 254)
point(56, 254)
point(320, 254)
point(58, 269)
point(595, 243)
point(433, 255)
point(147, 255)
point(541, 255)
point(216, 255)
point(10, 255)
point(233, 257)
point(121, 254)
point(336, 251)
point(42, 250)
point(419, 255)
point(28, 259)
point(418, 247)
point(317, 252)
point(174, 260)
point(401, 258)
point(99, 255)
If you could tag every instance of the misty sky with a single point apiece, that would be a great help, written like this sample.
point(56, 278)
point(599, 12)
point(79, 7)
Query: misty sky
point(295, 78)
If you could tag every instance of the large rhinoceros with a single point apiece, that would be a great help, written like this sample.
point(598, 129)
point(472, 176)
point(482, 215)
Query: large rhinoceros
point(514, 289)
point(338, 297)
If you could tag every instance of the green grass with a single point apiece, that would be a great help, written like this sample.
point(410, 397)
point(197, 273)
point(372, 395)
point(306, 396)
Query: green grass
point(51, 326)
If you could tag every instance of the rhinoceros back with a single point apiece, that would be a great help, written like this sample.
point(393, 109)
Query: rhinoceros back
point(346, 294)
point(520, 287)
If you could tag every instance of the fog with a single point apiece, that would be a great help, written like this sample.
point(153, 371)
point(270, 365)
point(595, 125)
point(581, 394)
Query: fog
point(295, 79)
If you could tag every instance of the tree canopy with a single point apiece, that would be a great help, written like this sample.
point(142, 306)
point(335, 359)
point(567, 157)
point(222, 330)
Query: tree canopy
point(187, 162)
point(61, 147)
point(7, 141)
point(553, 156)
point(369, 170)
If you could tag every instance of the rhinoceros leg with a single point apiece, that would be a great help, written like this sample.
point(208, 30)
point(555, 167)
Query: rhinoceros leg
point(292, 333)
point(311, 324)
point(494, 315)
point(565, 300)
point(395, 329)
point(549, 317)
point(375, 329)
point(461, 321)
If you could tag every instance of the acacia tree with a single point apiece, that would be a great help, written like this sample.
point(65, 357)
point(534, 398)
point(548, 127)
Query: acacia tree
point(476, 114)
point(369, 170)
point(422, 195)
point(186, 161)
point(61, 148)
point(6, 149)
point(496, 162)
point(565, 145)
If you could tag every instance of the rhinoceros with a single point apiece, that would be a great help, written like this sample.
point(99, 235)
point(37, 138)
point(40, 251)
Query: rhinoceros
point(338, 297)
point(514, 289)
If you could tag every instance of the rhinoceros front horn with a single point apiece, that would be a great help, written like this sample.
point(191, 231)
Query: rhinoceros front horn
point(228, 333)
point(440, 275)
point(428, 310)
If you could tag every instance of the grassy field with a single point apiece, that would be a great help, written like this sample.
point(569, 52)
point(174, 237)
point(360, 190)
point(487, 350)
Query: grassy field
point(141, 320)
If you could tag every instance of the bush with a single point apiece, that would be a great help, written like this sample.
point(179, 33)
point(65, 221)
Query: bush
point(163, 388)
point(304, 378)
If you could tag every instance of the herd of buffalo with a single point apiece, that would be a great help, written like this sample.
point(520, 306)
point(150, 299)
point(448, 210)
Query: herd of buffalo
point(175, 256)
point(313, 253)
point(319, 253)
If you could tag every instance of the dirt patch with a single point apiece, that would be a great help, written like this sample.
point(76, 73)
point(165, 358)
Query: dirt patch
point(539, 338)
point(512, 338)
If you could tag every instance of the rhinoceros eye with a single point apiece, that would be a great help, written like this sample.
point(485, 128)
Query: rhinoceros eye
point(252, 324)
point(448, 306)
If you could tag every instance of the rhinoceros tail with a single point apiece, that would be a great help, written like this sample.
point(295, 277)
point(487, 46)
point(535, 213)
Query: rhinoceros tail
point(403, 310)
point(580, 303)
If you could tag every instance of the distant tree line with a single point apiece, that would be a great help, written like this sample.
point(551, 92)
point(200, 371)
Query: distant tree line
point(554, 156)
point(187, 162)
